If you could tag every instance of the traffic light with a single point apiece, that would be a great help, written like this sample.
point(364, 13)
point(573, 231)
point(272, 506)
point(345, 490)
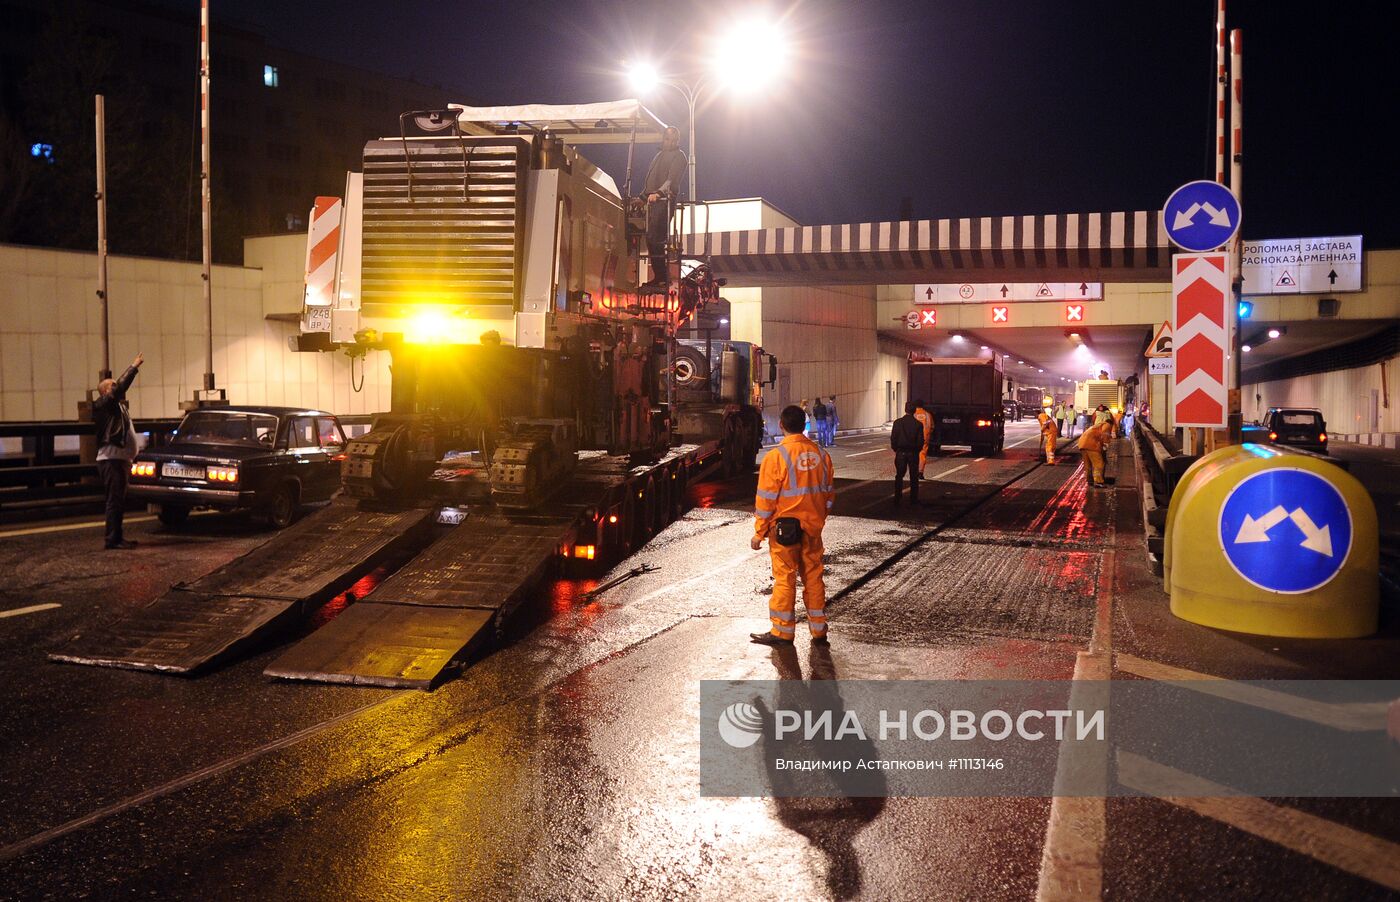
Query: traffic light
point(1246, 308)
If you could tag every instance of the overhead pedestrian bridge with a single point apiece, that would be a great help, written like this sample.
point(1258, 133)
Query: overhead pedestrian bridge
point(1114, 246)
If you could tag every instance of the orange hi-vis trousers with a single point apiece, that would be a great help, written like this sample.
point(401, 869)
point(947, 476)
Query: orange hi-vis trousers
point(1093, 466)
point(788, 561)
point(1050, 447)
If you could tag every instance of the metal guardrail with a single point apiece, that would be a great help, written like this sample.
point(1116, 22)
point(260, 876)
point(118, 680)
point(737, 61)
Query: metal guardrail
point(1163, 458)
point(42, 472)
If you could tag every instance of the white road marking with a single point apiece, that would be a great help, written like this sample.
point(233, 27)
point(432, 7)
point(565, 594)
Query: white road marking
point(979, 460)
point(857, 485)
point(700, 577)
point(33, 608)
point(1071, 861)
point(947, 472)
point(1023, 441)
point(874, 451)
point(1355, 717)
point(66, 527)
point(1368, 857)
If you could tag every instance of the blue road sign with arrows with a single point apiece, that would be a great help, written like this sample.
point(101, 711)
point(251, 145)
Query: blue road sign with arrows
point(1286, 530)
point(1201, 216)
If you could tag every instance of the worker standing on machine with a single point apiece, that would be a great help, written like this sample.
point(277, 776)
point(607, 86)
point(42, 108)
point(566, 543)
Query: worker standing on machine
point(922, 414)
point(1049, 433)
point(661, 188)
point(795, 493)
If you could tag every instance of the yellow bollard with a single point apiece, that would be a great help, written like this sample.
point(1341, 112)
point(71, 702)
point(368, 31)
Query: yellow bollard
point(1265, 541)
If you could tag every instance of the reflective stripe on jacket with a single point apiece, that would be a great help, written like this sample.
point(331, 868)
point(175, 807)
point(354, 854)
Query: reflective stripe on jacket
point(794, 480)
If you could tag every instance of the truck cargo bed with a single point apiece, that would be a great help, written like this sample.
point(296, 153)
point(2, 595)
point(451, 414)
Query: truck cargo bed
point(453, 596)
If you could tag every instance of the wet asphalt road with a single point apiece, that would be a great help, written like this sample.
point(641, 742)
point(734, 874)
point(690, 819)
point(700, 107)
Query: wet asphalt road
point(564, 763)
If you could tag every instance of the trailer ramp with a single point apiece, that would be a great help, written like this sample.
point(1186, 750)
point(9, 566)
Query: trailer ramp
point(434, 610)
point(241, 604)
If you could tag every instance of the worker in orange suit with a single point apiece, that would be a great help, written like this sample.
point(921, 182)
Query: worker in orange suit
point(795, 492)
point(922, 414)
point(1092, 443)
point(1049, 433)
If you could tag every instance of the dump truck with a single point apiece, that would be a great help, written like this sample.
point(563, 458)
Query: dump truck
point(964, 395)
point(542, 407)
point(1032, 401)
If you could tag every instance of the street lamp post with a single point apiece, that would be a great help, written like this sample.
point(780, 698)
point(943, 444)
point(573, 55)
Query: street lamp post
point(750, 56)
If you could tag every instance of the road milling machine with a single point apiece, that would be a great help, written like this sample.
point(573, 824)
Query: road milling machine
point(502, 271)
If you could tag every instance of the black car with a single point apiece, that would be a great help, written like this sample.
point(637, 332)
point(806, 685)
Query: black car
point(268, 460)
point(1296, 427)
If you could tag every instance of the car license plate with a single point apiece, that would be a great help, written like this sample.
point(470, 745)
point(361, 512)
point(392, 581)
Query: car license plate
point(952, 419)
point(181, 471)
point(451, 516)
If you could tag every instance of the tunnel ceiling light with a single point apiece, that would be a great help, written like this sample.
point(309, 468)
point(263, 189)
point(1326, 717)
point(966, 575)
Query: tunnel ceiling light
point(957, 337)
point(1021, 362)
point(724, 320)
point(1274, 333)
point(984, 347)
point(1245, 349)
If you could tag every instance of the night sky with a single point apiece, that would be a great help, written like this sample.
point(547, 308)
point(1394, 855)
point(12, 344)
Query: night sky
point(966, 108)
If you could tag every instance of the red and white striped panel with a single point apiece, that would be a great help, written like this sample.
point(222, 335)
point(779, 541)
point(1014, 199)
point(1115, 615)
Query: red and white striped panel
point(322, 249)
point(1129, 245)
point(1200, 293)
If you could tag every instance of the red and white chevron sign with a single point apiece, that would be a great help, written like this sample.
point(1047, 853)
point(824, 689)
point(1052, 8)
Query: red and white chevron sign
point(1200, 317)
point(322, 248)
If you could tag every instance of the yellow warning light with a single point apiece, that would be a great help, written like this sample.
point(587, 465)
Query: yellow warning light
point(587, 552)
point(426, 327)
point(612, 518)
point(436, 326)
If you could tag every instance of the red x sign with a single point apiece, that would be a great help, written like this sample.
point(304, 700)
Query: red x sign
point(930, 317)
point(1001, 314)
point(1074, 313)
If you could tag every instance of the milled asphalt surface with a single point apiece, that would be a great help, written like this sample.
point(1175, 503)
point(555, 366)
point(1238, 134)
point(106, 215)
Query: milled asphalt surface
point(563, 765)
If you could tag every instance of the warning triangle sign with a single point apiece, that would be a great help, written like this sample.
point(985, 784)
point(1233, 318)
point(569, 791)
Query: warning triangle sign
point(1161, 344)
point(1044, 291)
point(1285, 280)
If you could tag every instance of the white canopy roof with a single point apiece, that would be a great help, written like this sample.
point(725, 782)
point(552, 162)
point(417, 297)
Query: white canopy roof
point(608, 122)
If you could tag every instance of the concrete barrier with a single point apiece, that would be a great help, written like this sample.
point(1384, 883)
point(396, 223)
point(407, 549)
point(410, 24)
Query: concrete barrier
point(1261, 540)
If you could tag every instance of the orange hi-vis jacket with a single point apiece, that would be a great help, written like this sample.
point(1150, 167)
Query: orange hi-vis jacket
point(1095, 438)
point(794, 480)
point(923, 416)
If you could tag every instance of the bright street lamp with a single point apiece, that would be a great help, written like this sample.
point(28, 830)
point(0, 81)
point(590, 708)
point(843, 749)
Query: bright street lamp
point(749, 57)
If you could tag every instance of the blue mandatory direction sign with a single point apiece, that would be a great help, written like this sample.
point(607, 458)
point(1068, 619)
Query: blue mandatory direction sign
point(1286, 530)
point(1201, 216)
